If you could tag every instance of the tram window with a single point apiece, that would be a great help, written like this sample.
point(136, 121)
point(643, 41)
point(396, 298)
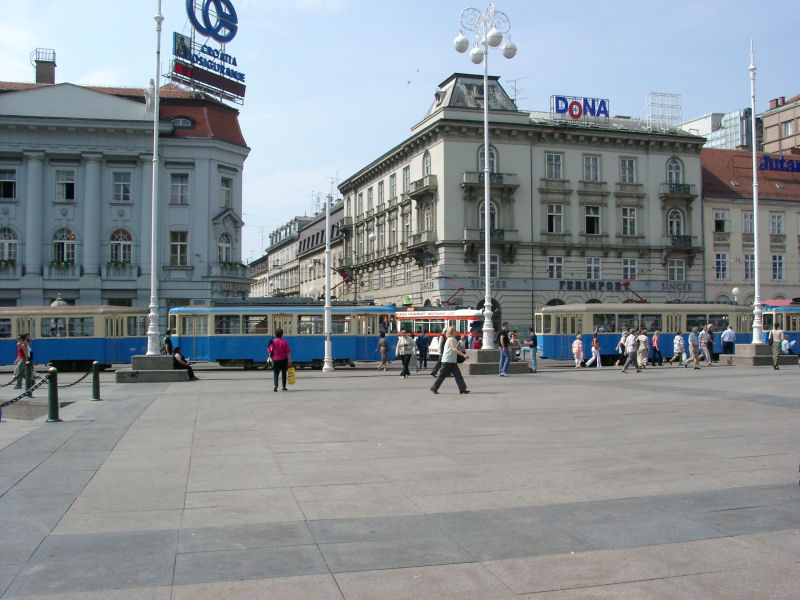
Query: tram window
point(767, 321)
point(537, 323)
point(720, 322)
point(548, 324)
point(693, 321)
point(80, 326)
point(422, 325)
point(256, 324)
point(791, 322)
point(201, 325)
point(186, 326)
point(651, 322)
point(779, 320)
point(406, 325)
point(5, 328)
point(341, 323)
point(227, 324)
point(310, 324)
point(137, 326)
point(173, 323)
point(55, 327)
point(437, 325)
point(604, 322)
point(628, 321)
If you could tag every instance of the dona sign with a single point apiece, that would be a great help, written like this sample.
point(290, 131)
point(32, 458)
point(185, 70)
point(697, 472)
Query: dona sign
point(578, 107)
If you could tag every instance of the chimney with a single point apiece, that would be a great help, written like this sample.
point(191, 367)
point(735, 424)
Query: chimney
point(44, 59)
point(773, 103)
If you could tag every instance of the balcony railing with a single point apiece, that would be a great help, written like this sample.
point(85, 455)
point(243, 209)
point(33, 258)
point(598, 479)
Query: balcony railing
point(681, 241)
point(498, 179)
point(9, 271)
point(228, 270)
point(677, 189)
point(423, 237)
point(427, 184)
point(58, 270)
point(119, 272)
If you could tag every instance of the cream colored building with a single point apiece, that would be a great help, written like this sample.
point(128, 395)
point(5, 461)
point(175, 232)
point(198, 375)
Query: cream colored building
point(782, 125)
point(578, 207)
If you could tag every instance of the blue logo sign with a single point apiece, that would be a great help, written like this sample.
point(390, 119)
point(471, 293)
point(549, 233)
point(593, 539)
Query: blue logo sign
point(226, 23)
point(576, 107)
point(788, 165)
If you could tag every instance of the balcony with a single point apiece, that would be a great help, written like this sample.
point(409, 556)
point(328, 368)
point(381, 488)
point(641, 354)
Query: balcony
point(681, 241)
point(63, 270)
point(500, 180)
point(682, 190)
point(424, 237)
point(228, 270)
point(498, 235)
point(422, 188)
point(119, 272)
point(345, 224)
point(9, 270)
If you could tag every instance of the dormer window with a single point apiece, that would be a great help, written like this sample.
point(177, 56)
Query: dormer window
point(182, 123)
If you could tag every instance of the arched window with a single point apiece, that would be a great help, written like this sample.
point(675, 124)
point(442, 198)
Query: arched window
point(224, 247)
point(492, 216)
point(555, 302)
point(121, 247)
point(674, 223)
point(492, 160)
point(8, 244)
point(64, 246)
point(426, 163)
point(674, 171)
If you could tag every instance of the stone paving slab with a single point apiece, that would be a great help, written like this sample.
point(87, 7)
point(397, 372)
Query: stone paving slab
point(564, 484)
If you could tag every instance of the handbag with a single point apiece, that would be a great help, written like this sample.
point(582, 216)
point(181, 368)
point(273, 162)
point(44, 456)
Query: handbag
point(460, 359)
point(290, 376)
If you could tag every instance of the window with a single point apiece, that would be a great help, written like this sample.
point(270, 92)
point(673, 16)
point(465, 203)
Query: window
point(492, 160)
point(225, 192)
point(392, 186)
point(369, 199)
point(555, 267)
point(179, 188)
point(65, 186)
point(392, 233)
point(360, 203)
point(427, 219)
point(64, 246)
point(628, 220)
point(553, 165)
point(674, 222)
point(674, 171)
point(787, 128)
point(427, 269)
point(380, 192)
point(592, 220)
point(178, 248)
point(426, 163)
point(749, 266)
point(381, 236)
point(747, 221)
point(591, 168)
point(777, 267)
point(380, 277)
point(224, 254)
point(8, 244)
point(721, 265)
point(776, 224)
point(555, 218)
point(406, 179)
point(593, 267)
point(630, 267)
point(720, 221)
point(494, 266)
point(121, 247)
point(121, 184)
point(676, 269)
point(627, 170)
point(8, 185)
point(394, 276)
point(182, 123)
point(492, 216)
point(406, 226)
point(407, 274)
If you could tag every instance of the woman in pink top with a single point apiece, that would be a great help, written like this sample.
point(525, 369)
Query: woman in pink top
point(281, 356)
point(577, 351)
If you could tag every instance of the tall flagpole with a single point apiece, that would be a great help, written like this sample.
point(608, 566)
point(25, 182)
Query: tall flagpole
point(153, 330)
point(757, 324)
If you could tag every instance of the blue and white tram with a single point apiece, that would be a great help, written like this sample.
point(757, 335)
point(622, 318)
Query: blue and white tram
point(239, 335)
point(557, 326)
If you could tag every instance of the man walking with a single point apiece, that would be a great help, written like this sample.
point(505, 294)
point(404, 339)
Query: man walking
point(630, 351)
point(694, 349)
point(728, 340)
point(505, 349)
point(702, 339)
point(422, 347)
point(775, 339)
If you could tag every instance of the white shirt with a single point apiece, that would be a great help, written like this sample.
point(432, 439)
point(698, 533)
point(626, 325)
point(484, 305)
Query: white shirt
point(702, 337)
point(728, 335)
point(630, 343)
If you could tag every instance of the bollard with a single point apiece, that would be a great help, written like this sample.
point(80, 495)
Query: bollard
point(28, 379)
point(52, 396)
point(96, 380)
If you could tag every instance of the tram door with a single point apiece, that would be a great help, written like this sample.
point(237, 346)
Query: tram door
point(114, 332)
point(561, 329)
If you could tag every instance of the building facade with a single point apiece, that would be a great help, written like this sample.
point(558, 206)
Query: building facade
point(577, 208)
point(726, 131)
point(782, 125)
point(76, 188)
point(729, 226)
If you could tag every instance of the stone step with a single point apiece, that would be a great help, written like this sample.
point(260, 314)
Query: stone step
point(151, 375)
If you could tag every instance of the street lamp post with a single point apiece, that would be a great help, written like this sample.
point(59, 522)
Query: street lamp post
point(489, 28)
point(758, 329)
point(327, 363)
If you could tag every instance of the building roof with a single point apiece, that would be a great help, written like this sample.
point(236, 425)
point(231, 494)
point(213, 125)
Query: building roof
point(211, 118)
point(729, 174)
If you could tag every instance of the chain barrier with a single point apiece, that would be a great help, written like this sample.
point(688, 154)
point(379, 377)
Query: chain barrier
point(13, 379)
point(81, 378)
point(26, 393)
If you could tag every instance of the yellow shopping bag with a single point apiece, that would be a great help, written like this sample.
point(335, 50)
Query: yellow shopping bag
point(290, 375)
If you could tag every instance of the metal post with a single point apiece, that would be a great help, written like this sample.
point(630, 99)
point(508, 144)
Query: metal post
point(758, 328)
point(327, 365)
point(28, 379)
point(95, 380)
point(52, 396)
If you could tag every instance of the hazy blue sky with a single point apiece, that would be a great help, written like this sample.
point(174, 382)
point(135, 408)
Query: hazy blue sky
point(332, 84)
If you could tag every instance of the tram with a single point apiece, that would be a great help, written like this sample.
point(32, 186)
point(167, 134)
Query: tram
point(71, 338)
point(557, 326)
point(432, 322)
point(239, 335)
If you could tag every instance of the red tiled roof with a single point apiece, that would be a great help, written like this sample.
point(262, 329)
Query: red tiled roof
point(212, 119)
point(723, 169)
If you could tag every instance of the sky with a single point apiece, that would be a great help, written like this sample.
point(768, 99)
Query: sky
point(333, 84)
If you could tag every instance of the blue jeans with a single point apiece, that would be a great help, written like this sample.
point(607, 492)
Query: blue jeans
point(505, 359)
point(529, 350)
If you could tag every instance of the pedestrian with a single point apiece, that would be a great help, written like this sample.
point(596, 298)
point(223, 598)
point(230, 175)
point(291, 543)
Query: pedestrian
point(694, 349)
point(383, 348)
point(702, 339)
point(710, 344)
point(530, 348)
point(281, 356)
point(404, 350)
point(657, 356)
point(422, 346)
point(414, 363)
point(179, 362)
point(450, 354)
point(728, 340)
point(595, 352)
point(775, 339)
point(166, 345)
point(504, 338)
point(577, 351)
point(630, 351)
point(621, 348)
point(21, 360)
point(470, 340)
point(515, 345)
point(643, 348)
point(29, 344)
point(678, 349)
